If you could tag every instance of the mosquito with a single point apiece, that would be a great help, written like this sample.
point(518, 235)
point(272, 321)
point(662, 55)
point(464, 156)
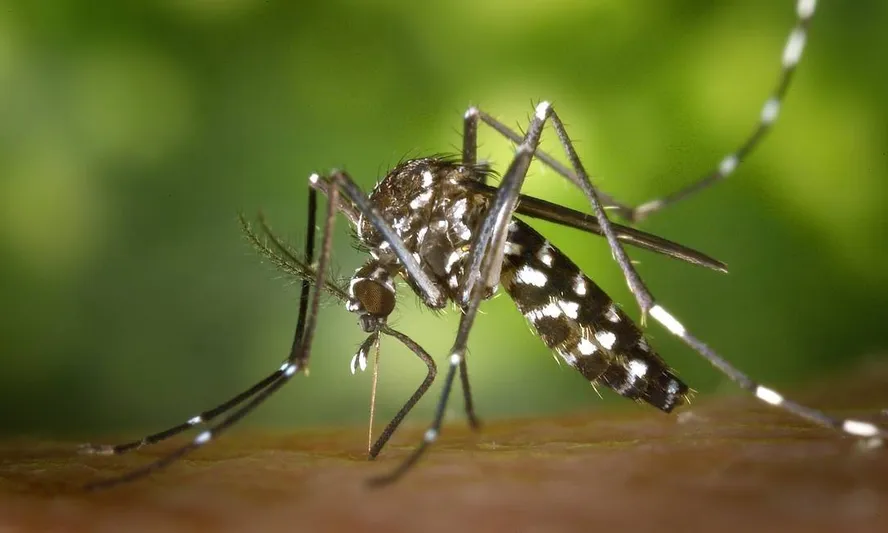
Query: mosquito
point(436, 224)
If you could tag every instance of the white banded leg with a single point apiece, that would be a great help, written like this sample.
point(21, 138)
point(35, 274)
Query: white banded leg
point(203, 418)
point(287, 371)
point(790, 58)
point(857, 428)
point(296, 362)
point(210, 414)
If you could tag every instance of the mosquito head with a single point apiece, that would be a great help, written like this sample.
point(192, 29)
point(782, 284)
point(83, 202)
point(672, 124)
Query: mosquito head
point(371, 294)
point(377, 300)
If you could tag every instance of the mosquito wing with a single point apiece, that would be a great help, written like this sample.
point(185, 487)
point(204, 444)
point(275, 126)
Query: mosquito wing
point(551, 212)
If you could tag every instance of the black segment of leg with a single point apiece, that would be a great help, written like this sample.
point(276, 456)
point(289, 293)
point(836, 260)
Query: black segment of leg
point(470, 137)
point(470, 158)
point(581, 180)
point(813, 415)
point(295, 349)
point(472, 417)
point(204, 417)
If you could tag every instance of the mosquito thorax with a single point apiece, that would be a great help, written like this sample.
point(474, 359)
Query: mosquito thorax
point(429, 206)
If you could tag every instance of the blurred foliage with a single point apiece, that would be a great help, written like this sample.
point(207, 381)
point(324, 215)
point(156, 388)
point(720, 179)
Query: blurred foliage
point(131, 135)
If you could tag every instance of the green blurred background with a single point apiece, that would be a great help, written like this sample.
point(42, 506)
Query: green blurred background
point(132, 134)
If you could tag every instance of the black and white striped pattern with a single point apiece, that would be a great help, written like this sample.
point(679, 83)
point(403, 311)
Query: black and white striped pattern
point(576, 319)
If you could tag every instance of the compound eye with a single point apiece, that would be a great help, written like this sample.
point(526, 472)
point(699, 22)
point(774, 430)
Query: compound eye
point(376, 298)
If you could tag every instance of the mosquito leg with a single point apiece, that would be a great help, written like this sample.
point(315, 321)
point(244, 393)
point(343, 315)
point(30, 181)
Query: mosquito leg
point(470, 137)
point(420, 391)
point(636, 285)
point(470, 158)
point(296, 362)
point(472, 417)
point(792, 54)
point(211, 414)
point(202, 418)
point(201, 439)
point(856, 428)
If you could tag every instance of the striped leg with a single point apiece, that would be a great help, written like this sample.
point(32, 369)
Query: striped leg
point(857, 428)
point(792, 54)
point(296, 362)
point(203, 418)
point(210, 414)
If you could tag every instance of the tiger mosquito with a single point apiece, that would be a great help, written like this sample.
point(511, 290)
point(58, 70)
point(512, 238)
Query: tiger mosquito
point(438, 225)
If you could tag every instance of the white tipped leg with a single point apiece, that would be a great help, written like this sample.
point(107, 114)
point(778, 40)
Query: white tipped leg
point(792, 53)
point(770, 111)
point(91, 449)
point(203, 438)
point(768, 396)
point(859, 428)
point(727, 165)
point(669, 322)
point(805, 8)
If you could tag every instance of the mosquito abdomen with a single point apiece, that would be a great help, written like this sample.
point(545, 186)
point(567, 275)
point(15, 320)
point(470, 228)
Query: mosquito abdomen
point(577, 320)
